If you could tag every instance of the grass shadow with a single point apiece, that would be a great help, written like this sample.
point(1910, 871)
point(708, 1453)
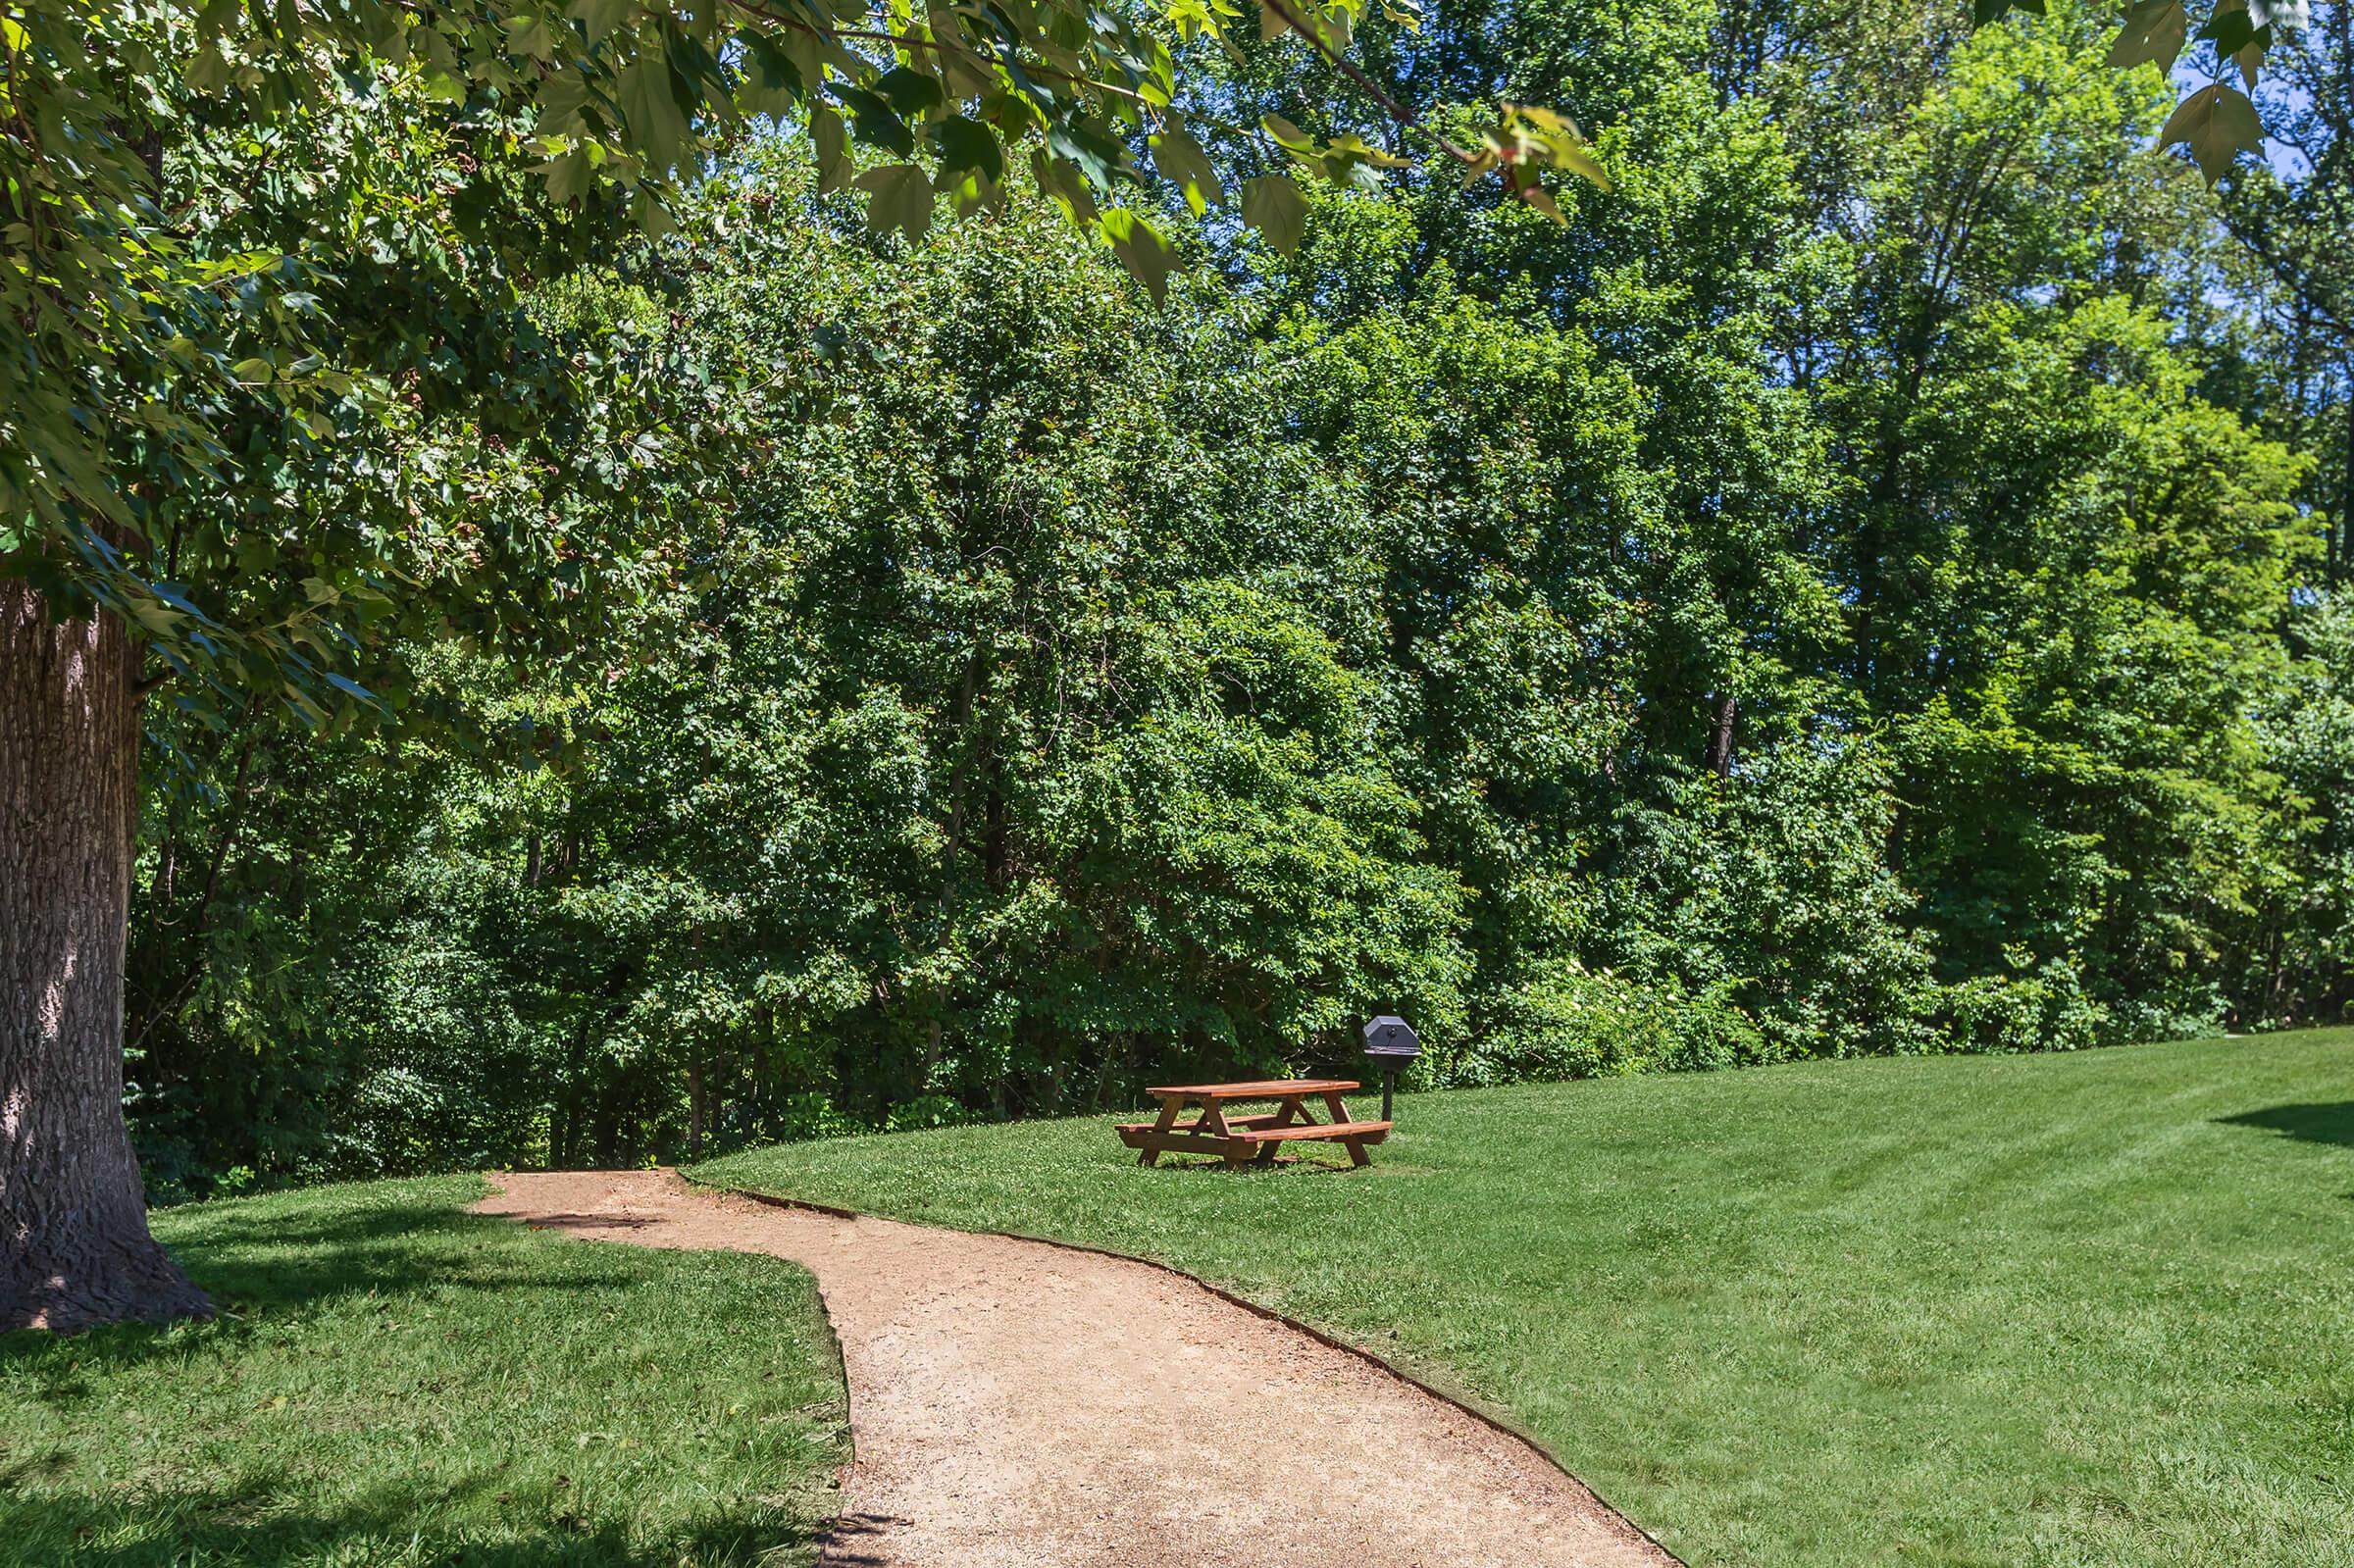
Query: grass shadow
point(860, 1541)
point(260, 1263)
point(1291, 1164)
point(238, 1523)
point(2328, 1122)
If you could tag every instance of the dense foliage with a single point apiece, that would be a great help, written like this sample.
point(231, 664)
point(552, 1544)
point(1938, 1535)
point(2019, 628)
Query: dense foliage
point(1870, 585)
point(254, 250)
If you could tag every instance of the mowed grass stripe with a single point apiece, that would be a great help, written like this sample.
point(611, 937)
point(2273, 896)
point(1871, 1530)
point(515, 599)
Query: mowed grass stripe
point(2074, 1310)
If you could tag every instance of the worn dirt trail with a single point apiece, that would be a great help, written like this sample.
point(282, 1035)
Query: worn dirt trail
point(1008, 1407)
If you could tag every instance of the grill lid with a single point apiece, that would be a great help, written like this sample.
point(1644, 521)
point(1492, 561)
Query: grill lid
point(1389, 1039)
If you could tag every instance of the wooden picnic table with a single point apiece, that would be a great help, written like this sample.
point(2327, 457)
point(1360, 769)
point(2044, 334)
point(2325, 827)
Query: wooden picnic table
point(1242, 1138)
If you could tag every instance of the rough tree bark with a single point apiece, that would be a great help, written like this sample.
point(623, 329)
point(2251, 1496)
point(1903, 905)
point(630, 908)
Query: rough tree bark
point(75, 1249)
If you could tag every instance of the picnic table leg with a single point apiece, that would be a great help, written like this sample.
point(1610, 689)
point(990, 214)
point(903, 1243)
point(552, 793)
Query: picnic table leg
point(1340, 1113)
point(1287, 1111)
point(1213, 1123)
point(1170, 1104)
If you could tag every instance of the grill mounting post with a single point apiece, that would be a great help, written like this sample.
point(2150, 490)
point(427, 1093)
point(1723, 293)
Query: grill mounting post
point(1390, 1045)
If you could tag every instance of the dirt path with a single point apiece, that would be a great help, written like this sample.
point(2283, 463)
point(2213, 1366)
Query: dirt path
point(999, 1405)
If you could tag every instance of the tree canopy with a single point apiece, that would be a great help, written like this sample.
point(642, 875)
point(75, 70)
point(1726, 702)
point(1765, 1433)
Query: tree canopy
point(1859, 627)
point(647, 639)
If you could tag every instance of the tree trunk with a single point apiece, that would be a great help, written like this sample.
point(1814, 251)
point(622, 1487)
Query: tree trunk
point(2341, 539)
point(1720, 758)
point(73, 1244)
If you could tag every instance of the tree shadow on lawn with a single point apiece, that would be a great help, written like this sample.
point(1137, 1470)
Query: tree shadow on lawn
point(260, 1267)
point(242, 1524)
point(269, 1273)
point(2316, 1123)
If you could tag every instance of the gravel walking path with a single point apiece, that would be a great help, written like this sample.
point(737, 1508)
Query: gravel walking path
point(1010, 1407)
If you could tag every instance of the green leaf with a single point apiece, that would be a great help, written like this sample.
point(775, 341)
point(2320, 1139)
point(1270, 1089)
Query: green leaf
point(1329, 25)
point(2233, 32)
point(834, 166)
point(779, 83)
point(1580, 163)
point(2154, 31)
point(874, 122)
point(969, 191)
point(1332, 27)
point(2217, 124)
point(562, 96)
point(601, 16)
point(1350, 160)
point(1530, 135)
point(1142, 250)
point(529, 36)
point(967, 144)
point(960, 72)
point(208, 72)
point(1273, 205)
point(1061, 183)
point(1536, 195)
point(351, 689)
point(388, 34)
point(1290, 137)
point(1182, 162)
point(898, 197)
point(568, 178)
point(909, 91)
point(1086, 149)
point(2251, 61)
point(656, 125)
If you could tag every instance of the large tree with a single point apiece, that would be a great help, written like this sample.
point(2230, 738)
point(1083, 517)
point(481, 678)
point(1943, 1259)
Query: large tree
point(277, 394)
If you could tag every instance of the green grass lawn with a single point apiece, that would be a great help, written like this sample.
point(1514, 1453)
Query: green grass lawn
point(2074, 1310)
point(395, 1381)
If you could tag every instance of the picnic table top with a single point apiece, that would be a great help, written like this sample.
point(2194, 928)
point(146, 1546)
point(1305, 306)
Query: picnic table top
point(1258, 1089)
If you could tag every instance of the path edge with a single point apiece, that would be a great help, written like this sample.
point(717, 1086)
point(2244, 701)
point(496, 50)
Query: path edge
point(1490, 1419)
point(830, 1524)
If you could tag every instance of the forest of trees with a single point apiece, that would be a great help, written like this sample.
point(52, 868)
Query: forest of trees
point(1869, 581)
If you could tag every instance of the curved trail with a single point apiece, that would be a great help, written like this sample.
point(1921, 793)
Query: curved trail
point(1011, 1405)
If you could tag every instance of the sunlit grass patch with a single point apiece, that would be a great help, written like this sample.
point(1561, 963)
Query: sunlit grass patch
point(2069, 1310)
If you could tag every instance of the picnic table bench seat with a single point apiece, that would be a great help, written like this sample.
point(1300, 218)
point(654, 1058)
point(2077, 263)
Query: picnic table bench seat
point(1239, 1140)
point(1370, 1132)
